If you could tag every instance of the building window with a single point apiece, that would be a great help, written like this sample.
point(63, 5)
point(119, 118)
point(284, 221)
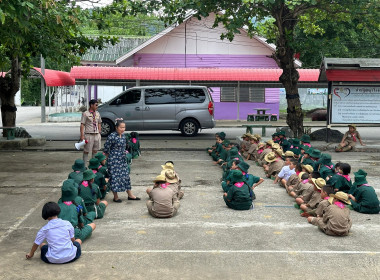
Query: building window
point(247, 94)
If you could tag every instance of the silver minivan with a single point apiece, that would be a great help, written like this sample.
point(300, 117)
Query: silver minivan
point(184, 108)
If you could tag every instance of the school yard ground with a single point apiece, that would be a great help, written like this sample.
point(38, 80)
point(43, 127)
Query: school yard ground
point(206, 240)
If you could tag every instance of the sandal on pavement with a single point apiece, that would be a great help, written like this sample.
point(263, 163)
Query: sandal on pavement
point(117, 200)
point(136, 198)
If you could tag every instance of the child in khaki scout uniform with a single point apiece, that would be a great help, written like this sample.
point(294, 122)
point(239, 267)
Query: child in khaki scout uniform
point(72, 212)
point(295, 189)
point(307, 192)
point(163, 202)
point(275, 163)
point(173, 181)
point(315, 198)
point(364, 199)
point(249, 154)
point(336, 219)
point(267, 150)
point(245, 143)
point(91, 194)
point(77, 174)
point(323, 204)
point(258, 152)
point(100, 180)
point(238, 196)
point(349, 139)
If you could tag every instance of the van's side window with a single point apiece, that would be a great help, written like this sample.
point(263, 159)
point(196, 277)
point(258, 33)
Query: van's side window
point(128, 97)
point(190, 96)
point(160, 96)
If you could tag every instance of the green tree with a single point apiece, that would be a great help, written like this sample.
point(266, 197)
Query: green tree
point(30, 28)
point(285, 15)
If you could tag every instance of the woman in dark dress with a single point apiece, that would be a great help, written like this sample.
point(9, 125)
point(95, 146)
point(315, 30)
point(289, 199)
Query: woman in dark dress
point(115, 148)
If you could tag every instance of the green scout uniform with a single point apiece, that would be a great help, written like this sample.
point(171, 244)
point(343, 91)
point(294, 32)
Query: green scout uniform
point(70, 213)
point(326, 171)
point(88, 217)
point(102, 184)
point(340, 183)
point(366, 200)
point(238, 198)
point(308, 161)
point(91, 198)
point(77, 176)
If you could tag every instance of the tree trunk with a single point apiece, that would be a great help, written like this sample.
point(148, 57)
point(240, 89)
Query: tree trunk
point(284, 56)
point(9, 86)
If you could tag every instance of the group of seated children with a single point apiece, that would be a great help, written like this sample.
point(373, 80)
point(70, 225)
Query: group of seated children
point(71, 220)
point(164, 196)
point(237, 184)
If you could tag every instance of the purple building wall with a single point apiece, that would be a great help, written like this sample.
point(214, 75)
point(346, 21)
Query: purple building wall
point(203, 60)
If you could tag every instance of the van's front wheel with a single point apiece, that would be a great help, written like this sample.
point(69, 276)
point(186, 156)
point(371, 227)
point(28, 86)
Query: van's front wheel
point(189, 127)
point(107, 127)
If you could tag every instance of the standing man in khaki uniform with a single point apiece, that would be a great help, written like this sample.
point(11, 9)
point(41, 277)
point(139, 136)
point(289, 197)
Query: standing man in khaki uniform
point(90, 128)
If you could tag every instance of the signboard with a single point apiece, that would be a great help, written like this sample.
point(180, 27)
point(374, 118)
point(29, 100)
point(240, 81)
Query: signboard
point(317, 91)
point(355, 104)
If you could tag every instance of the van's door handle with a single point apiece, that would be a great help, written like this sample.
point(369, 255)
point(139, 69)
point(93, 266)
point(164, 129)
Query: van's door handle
point(137, 108)
point(147, 109)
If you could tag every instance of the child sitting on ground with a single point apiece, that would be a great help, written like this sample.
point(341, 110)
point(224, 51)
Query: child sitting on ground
point(336, 219)
point(349, 139)
point(315, 198)
point(364, 199)
point(163, 202)
point(288, 170)
point(61, 245)
point(252, 181)
point(238, 196)
point(341, 179)
point(78, 169)
point(295, 189)
point(323, 204)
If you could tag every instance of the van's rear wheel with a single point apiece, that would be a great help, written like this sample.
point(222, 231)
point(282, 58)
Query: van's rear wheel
point(189, 127)
point(107, 127)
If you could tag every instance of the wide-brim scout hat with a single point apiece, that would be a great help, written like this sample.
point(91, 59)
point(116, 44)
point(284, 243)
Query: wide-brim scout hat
point(79, 165)
point(300, 175)
point(270, 157)
point(160, 178)
point(258, 137)
point(304, 147)
point(69, 190)
point(236, 176)
point(226, 143)
point(305, 138)
point(93, 163)
point(319, 183)
point(281, 133)
point(309, 150)
point(244, 135)
point(296, 142)
point(296, 151)
point(170, 175)
point(308, 168)
point(286, 144)
point(315, 153)
point(243, 166)
point(352, 125)
point(88, 175)
point(360, 172)
point(325, 159)
point(342, 196)
point(288, 154)
point(168, 165)
point(270, 142)
point(276, 146)
point(279, 152)
point(360, 180)
point(234, 152)
point(260, 145)
point(100, 156)
point(221, 135)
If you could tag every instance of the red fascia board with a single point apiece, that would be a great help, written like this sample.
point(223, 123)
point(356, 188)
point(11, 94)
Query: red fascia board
point(334, 75)
point(186, 74)
point(54, 78)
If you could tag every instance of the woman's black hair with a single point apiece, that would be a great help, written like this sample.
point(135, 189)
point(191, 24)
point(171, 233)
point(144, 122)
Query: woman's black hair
point(50, 209)
point(346, 168)
point(118, 123)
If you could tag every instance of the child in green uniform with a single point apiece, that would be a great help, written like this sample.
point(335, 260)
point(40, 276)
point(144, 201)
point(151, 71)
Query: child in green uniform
point(102, 164)
point(134, 145)
point(238, 196)
point(78, 167)
point(341, 180)
point(252, 181)
point(326, 167)
point(72, 212)
point(99, 180)
point(91, 194)
point(364, 199)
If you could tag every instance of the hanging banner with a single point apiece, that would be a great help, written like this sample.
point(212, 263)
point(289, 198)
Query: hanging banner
point(355, 104)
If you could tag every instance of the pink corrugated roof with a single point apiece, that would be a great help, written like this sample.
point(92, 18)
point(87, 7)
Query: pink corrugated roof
point(54, 78)
point(186, 74)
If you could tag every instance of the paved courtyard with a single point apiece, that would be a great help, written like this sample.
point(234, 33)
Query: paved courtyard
point(206, 240)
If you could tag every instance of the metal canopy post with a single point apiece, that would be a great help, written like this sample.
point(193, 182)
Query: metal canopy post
point(43, 112)
point(238, 101)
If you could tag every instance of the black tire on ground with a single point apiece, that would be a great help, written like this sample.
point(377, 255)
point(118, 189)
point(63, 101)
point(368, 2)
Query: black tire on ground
point(189, 127)
point(107, 127)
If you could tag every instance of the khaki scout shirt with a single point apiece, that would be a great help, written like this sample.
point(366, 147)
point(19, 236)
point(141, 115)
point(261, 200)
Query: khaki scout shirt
point(275, 167)
point(163, 200)
point(87, 120)
point(336, 220)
